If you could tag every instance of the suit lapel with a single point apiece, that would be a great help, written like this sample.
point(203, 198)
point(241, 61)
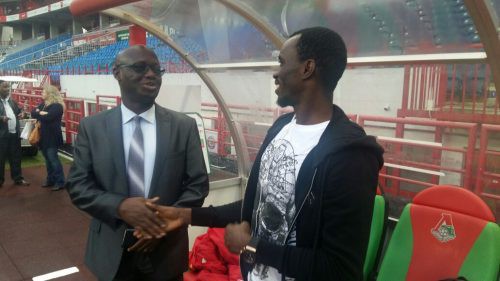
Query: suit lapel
point(163, 132)
point(115, 135)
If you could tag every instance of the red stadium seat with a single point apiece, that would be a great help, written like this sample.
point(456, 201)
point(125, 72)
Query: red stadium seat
point(446, 232)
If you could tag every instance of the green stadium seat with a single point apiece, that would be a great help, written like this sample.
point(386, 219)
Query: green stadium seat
point(377, 231)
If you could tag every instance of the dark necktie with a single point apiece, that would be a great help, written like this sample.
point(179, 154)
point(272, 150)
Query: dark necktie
point(135, 167)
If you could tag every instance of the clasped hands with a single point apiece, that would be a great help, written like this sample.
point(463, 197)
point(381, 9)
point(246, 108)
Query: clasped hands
point(152, 222)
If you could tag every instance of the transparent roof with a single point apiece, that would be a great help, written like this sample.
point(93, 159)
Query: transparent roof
point(383, 27)
point(213, 33)
point(209, 31)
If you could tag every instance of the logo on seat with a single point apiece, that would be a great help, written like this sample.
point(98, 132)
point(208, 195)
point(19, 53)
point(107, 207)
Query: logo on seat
point(444, 230)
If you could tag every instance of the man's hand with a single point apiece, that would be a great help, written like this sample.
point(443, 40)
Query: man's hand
point(144, 245)
point(43, 112)
point(172, 217)
point(5, 119)
point(135, 213)
point(237, 236)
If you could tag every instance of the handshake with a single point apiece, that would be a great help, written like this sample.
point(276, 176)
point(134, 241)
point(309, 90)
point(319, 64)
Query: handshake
point(151, 221)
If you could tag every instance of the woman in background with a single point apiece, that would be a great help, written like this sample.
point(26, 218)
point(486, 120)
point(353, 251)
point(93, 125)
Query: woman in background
point(49, 113)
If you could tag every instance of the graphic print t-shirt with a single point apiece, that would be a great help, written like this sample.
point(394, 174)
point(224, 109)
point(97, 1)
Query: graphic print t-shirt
point(280, 165)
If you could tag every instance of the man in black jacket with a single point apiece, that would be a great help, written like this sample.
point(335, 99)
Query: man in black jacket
point(10, 142)
point(308, 204)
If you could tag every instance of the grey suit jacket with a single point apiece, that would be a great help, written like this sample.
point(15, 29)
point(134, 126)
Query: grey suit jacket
point(4, 127)
point(97, 184)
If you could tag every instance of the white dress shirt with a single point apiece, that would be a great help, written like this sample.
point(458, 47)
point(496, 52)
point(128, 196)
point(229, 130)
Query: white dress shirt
point(10, 113)
point(148, 127)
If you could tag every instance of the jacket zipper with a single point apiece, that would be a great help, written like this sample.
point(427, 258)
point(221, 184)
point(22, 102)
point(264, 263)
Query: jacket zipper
point(301, 205)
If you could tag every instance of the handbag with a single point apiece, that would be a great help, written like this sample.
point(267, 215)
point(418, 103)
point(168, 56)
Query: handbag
point(28, 127)
point(35, 134)
point(34, 137)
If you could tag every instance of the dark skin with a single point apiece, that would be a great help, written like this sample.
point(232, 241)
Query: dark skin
point(139, 91)
point(4, 93)
point(298, 86)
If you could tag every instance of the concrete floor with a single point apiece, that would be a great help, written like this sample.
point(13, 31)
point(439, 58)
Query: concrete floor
point(40, 231)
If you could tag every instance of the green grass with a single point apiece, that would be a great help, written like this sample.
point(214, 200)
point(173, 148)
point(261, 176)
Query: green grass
point(35, 161)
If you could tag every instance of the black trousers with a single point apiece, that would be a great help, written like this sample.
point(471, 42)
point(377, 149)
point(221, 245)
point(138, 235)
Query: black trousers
point(10, 149)
point(137, 267)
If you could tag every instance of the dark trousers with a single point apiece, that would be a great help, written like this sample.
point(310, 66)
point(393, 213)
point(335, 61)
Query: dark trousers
point(10, 149)
point(55, 173)
point(138, 267)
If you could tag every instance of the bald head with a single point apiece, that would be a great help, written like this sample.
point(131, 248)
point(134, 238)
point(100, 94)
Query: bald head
point(124, 56)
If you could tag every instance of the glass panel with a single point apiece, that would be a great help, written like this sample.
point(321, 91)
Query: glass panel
point(381, 27)
point(421, 151)
point(206, 30)
point(494, 9)
point(249, 94)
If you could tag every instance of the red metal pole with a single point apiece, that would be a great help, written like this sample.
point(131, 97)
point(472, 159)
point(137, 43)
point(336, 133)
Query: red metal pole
point(469, 157)
point(437, 152)
point(464, 87)
point(406, 93)
point(454, 75)
point(486, 87)
point(474, 88)
point(481, 165)
point(137, 35)
point(443, 86)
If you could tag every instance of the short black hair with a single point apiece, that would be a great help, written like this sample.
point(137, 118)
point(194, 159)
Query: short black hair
point(327, 48)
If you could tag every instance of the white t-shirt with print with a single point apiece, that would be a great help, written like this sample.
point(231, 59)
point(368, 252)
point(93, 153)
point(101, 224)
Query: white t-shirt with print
point(280, 165)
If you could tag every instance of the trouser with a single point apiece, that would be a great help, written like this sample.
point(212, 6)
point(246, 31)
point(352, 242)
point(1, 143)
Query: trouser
point(10, 149)
point(55, 173)
point(138, 267)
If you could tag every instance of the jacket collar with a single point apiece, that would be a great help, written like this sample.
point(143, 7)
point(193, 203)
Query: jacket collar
point(339, 133)
point(115, 135)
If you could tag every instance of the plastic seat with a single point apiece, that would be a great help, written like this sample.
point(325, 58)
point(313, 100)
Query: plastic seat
point(446, 232)
point(377, 233)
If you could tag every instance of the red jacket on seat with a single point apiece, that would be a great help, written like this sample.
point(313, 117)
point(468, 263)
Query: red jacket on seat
point(210, 260)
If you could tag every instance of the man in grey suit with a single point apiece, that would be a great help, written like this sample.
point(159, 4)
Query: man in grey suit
point(10, 142)
point(136, 153)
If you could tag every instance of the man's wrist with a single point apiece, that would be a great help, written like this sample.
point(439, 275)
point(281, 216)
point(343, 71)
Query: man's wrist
point(249, 252)
point(185, 215)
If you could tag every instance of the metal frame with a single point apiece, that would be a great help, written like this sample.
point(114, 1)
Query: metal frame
point(486, 29)
point(252, 16)
point(448, 58)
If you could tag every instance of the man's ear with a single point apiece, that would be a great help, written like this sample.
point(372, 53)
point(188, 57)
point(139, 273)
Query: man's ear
point(309, 68)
